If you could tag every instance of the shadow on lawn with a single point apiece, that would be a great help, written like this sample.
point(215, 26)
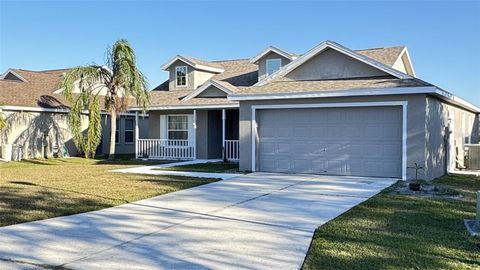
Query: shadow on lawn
point(18, 205)
point(26, 201)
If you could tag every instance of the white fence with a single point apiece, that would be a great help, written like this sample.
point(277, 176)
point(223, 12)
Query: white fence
point(232, 150)
point(165, 149)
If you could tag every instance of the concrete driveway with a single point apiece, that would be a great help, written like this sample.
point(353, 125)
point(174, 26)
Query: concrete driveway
point(256, 221)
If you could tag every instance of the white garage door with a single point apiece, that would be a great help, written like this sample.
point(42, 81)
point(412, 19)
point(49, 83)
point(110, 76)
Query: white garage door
point(361, 141)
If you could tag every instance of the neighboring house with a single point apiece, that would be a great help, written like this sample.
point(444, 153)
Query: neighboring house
point(332, 110)
point(37, 118)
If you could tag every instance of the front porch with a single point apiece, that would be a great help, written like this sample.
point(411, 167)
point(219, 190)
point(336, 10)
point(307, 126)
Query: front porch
point(190, 135)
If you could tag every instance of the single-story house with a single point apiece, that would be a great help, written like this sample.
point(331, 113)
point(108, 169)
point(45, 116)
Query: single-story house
point(331, 110)
point(36, 114)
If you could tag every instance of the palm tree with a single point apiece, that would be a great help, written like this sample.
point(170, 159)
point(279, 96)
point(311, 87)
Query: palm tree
point(118, 81)
point(3, 120)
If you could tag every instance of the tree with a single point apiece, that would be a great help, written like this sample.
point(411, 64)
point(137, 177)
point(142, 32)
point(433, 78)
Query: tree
point(118, 82)
point(3, 119)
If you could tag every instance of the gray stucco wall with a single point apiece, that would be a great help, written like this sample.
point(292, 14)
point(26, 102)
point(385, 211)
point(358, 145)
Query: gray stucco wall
point(415, 124)
point(331, 64)
point(212, 91)
point(435, 138)
point(437, 117)
point(262, 64)
point(123, 147)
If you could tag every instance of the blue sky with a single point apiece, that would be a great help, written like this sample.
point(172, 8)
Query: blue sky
point(443, 37)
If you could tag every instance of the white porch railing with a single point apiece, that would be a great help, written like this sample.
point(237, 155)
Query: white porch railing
point(164, 149)
point(232, 150)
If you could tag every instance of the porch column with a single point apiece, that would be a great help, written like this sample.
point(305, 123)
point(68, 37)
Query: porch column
point(223, 133)
point(136, 134)
point(194, 134)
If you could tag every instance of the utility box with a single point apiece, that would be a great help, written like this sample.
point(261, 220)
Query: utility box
point(7, 152)
point(472, 157)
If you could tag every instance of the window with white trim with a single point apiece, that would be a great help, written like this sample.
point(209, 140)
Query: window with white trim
point(181, 76)
point(129, 130)
point(273, 65)
point(177, 127)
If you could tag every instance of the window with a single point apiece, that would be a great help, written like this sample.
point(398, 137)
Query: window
point(181, 76)
point(117, 132)
point(273, 65)
point(129, 130)
point(177, 127)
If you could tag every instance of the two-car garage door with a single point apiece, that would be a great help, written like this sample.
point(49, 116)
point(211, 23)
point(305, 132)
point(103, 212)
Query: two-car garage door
point(360, 141)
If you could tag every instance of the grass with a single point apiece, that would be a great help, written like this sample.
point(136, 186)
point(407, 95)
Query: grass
point(39, 189)
point(211, 167)
point(392, 231)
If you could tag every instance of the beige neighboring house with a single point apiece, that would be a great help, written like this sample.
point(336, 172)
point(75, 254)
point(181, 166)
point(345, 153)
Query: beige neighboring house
point(36, 114)
point(331, 110)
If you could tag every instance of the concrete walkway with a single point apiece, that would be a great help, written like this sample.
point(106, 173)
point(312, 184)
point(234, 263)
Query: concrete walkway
point(156, 170)
point(255, 221)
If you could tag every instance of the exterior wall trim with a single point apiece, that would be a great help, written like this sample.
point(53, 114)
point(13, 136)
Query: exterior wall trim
point(404, 104)
point(432, 90)
point(53, 110)
point(186, 107)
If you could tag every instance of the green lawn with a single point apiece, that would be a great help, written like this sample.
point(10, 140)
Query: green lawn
point(211, 167)
point(39, 189)
point(392, 231)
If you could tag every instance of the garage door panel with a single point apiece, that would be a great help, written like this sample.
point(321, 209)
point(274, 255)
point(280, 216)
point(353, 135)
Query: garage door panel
point(373, 132)
point(267, 148)
point(334, 166)
point(345, 141)
point(319, 131)
point(301, 166)
point(390, 167)
point(335, 116)
point(282, 148)
point(268, 132)
point(390, 150)
point(373, 150)
point(283, 165)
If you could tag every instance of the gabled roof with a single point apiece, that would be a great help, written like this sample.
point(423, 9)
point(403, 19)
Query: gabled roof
point(238, 72)
point(36, 91)
point(12, 72)
point(387, 56)
point(223, 86)
point(339, 48)
point(390, 56)
point(290, 56)
point(195, 63)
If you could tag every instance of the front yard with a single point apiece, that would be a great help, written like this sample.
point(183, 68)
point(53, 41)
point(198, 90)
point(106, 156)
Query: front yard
point(392, 231)
point(39, 189)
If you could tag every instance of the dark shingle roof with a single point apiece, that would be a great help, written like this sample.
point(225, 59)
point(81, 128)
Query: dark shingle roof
point(37, 91)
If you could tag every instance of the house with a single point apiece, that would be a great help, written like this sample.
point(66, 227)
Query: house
point(36, 113)
point(331, 110)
